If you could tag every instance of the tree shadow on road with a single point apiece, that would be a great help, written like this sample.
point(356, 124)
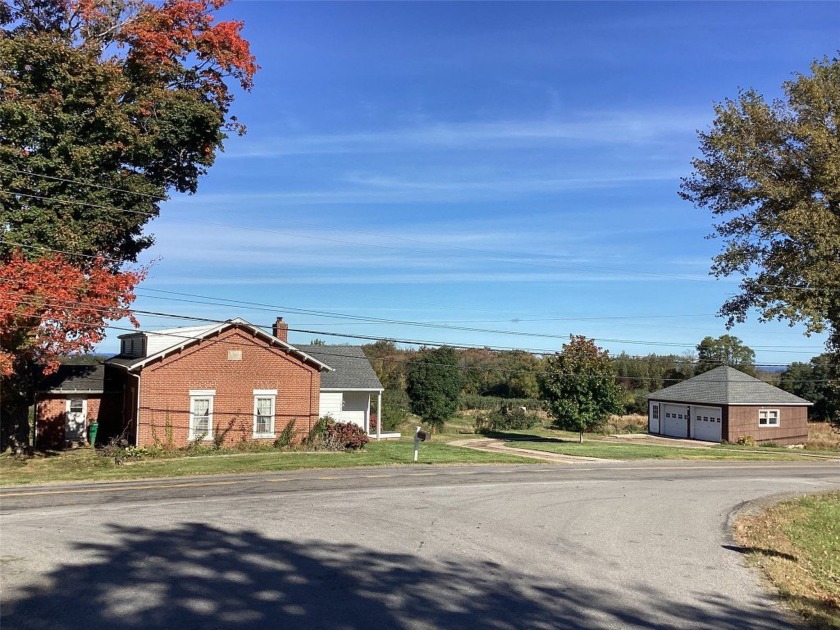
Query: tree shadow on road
point(198, 576)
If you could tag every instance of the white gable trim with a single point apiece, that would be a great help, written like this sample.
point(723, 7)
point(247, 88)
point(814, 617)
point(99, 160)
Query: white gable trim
point(238, 323)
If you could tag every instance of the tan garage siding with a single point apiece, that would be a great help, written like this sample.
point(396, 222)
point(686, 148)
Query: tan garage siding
point(792, 429)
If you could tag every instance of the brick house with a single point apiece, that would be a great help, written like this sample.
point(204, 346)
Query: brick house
point(725, 404)
point(222, 382)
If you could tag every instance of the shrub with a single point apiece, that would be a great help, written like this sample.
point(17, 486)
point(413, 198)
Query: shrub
point(634, 423)
point(492, 403)
point(395, 408)
point(284, 440)
point(506, 418)
point(329, 435)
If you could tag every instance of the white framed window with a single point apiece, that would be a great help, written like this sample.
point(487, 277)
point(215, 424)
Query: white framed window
point(201, 413)
point(265, 401)
point(768, 417)
point(656, 412)
point(77, 404)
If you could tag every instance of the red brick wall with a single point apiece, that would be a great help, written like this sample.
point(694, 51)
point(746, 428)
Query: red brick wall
point(165, 389)
point(51, 414)
point(792, 429)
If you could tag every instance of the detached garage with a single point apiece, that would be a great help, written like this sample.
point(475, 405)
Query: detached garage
point(725, 404)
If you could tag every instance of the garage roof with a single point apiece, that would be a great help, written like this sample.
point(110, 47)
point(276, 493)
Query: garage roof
point(351, 368)
point(727, 386)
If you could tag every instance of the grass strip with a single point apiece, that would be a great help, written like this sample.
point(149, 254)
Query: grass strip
point(797, 545)
point(612, 450)
point(86, 465)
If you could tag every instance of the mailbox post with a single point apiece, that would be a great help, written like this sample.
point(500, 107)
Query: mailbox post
point(419, 436)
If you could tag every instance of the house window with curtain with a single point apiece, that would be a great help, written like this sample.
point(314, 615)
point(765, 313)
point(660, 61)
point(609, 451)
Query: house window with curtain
point(201, 414)
point(264, 409)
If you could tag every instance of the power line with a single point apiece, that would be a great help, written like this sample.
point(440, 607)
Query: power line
point(60, 251)
point(83, 183)
point(332, 352)
point(365, 321)
point(775, 349)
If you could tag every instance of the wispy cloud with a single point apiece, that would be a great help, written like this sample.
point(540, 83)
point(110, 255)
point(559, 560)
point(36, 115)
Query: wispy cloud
point(595, 127)
point(378, 189)
point(390, 277)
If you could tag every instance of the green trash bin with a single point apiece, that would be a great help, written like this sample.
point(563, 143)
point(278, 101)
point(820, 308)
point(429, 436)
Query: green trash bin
point(94, 427)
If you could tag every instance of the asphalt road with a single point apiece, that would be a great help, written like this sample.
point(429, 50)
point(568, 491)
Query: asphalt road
point(589, 546)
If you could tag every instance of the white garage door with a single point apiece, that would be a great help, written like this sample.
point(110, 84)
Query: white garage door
point(674, 420)
point(705, 423)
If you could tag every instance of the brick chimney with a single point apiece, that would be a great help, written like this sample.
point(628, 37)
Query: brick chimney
point(280, 329)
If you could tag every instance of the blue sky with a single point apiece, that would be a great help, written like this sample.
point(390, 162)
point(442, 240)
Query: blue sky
point(502, 166)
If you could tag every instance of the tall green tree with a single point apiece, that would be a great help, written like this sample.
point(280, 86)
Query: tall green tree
point(769, 172)
point(434, 385)
point(579, 386)
point(105, 107)
point(725, 350)
point(812, 381)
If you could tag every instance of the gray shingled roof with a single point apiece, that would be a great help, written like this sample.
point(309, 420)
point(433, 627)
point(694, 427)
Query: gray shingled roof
point(727, 386)
point(351, 368)
point(75, 378)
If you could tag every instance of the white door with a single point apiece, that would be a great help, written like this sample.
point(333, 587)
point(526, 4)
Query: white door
point(674, 420)
point(706, 423)
point(653, 417)
point(76, 422)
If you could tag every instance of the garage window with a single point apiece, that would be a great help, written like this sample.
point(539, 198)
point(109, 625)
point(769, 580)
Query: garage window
point(768, 418)
point(656, 412)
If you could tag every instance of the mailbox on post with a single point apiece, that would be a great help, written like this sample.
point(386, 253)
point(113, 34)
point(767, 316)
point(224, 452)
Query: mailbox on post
point(420, 436)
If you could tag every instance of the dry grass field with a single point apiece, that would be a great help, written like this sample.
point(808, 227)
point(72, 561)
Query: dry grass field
point(821, 435)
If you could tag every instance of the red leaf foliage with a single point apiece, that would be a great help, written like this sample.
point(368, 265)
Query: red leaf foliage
point(50, 307)
point(163, 36)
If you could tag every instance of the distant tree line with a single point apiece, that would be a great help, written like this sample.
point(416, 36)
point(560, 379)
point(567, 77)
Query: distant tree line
point(429, 382)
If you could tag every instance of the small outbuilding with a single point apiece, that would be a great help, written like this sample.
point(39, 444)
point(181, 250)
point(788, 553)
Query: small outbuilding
point(724, 404)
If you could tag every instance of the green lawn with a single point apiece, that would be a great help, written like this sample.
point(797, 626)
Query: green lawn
point(613, 450)
point(85, 465)
point(797, 544)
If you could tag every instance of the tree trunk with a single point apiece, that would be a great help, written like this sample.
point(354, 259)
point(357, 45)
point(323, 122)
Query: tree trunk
point(17, 395)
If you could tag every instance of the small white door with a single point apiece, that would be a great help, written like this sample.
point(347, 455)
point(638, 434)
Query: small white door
point(76, 422)
point(674, 420)
point(706, 423)
point(653, 417)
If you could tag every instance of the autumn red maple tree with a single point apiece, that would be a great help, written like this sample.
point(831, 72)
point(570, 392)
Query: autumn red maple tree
point(50, 307)
point(106, 106)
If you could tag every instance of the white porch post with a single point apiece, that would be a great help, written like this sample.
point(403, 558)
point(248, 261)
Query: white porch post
point(379, 416)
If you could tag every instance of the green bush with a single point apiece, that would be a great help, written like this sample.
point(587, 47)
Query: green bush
point(492, 403)
point(395, 409)
point(636, 402)
point(506, 418)
point(287, 435)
